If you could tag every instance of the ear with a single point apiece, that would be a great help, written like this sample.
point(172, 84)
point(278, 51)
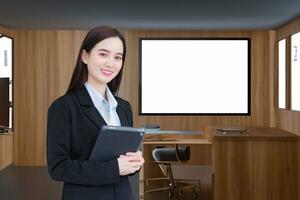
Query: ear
point(84, 56)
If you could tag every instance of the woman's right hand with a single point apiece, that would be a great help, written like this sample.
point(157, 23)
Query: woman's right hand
point(128, 165)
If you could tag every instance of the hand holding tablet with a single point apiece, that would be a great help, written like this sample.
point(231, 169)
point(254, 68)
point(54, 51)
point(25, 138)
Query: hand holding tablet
point(130, 163)
point(113, 141)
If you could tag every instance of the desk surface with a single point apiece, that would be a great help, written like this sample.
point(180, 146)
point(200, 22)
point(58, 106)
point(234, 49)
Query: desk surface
point(258, 133)
point(177, 141)
point(7, 133)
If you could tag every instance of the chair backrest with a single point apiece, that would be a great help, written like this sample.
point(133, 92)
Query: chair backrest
point(172, 154)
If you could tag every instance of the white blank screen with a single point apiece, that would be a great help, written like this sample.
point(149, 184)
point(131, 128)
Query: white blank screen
point(194, 76)
point(295, 71)
point(281, 74)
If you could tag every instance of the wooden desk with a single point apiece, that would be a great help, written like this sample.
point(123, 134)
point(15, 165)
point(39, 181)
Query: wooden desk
point(176, 141)
point(263, 164)
point(6, 150)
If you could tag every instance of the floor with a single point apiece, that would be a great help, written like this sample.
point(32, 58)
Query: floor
point(34, 183)
point(204, 194)
point(28, 183)
point(187, 172)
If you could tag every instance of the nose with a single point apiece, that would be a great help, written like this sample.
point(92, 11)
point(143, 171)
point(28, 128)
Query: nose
point(110, 61)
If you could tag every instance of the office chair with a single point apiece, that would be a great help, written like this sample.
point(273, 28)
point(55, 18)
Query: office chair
point(165, 157)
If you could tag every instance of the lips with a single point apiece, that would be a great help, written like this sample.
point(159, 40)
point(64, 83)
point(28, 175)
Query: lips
point(106, 72)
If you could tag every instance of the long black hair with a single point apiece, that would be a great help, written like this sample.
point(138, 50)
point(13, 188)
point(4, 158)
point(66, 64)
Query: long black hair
point(80, 73)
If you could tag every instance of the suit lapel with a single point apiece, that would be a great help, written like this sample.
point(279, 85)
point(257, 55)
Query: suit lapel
point(92, 113)
point(122, 115)
point(88, 107)
point(94, 116)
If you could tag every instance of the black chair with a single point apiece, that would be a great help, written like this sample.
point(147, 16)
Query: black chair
point(165, 157)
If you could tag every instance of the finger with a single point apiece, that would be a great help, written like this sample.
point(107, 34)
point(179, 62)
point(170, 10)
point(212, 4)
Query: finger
point(122, 156)
point(133, 159)
point(137, 159)
point(141, 159)
point(132, 162)
point(137, 164)
point(131, 154)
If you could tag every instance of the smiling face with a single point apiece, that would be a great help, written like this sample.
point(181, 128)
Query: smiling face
point(104, 61)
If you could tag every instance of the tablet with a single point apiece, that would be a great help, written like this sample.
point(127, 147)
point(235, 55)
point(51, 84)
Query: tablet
point(113, 141)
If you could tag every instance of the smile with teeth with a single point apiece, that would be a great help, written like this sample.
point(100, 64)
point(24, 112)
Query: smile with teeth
point(106, 72)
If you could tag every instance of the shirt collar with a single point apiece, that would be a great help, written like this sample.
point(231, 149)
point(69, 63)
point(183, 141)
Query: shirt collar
point(111, 99)
point(98, 99)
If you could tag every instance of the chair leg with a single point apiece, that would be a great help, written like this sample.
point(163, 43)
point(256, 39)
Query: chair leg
point(172, 182)
point(180, 191)
point(171, 178)
point(170, 194)
point(194, 194)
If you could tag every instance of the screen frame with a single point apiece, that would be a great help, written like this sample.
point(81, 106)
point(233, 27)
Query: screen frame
point(11, 103)
point(248, 39)
point(4, 105)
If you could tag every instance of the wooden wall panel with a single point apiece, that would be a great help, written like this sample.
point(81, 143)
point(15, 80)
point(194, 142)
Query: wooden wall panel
point(6, 31)
point(288, 29)
point(287, 119)
point(43, 67)
point(272, 74)
point(6, 150)
point(44, 62)
point(260, 82)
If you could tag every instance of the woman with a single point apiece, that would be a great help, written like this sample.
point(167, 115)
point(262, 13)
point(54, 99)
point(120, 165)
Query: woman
point(75, 119)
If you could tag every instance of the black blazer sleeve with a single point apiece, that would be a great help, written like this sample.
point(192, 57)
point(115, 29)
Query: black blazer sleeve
point(61, 166)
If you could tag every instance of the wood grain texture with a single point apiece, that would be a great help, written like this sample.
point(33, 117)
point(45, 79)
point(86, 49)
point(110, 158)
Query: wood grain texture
point(259, 72)
point(6, 151)
point(256, 168)
point(288, 29)
point(44, 61)
point(43, 67)
point(287, 119)
point(6, 31)
point(272, 74)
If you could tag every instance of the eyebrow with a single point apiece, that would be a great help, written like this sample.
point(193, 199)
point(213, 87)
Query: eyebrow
point(109, 51)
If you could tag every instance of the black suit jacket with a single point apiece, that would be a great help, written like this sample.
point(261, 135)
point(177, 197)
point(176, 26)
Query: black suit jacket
point(72, 129)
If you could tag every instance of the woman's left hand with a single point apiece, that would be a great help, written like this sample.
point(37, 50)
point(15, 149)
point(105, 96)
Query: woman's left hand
point(136, 157)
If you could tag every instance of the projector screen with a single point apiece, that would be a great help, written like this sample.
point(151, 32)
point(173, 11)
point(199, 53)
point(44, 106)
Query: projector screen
point(194, 76)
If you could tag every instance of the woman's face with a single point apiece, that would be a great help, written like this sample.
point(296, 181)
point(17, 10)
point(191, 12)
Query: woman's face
point(104, 61)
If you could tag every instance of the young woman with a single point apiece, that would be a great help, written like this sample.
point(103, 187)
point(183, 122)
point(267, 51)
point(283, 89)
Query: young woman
point(75, 119)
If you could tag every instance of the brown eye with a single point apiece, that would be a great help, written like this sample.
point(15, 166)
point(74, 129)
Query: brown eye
point(103, 54)
point(118, 58)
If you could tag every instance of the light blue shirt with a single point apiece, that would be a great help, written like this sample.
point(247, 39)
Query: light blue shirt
point(106, 108)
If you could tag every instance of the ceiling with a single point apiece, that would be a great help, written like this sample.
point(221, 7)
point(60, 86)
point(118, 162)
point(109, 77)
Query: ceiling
point(151, 14)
